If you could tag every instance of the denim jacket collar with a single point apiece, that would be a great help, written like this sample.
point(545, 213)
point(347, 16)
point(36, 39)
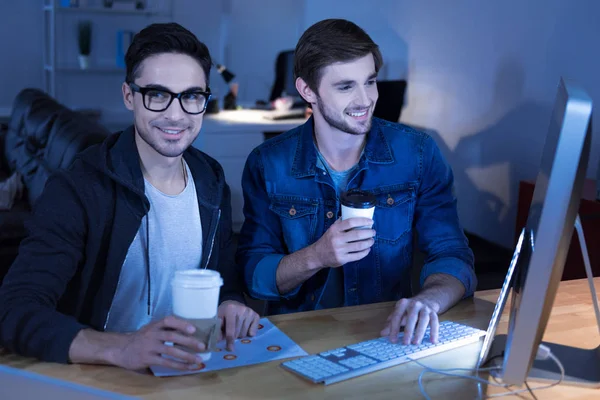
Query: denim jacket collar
point(377, 149)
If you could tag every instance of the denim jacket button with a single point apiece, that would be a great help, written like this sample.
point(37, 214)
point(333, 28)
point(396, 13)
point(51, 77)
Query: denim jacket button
point(329, 214)
point(390, 201)
point(292, 211)
point(312, 297)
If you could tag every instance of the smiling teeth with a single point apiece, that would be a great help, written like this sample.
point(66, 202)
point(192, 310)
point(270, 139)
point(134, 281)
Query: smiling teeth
point(358, 114)
point(170, 131)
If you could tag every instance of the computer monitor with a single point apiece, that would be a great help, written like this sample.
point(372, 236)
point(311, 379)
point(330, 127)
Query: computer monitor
point(391, 100)
point(538, 261)
point(284, 84)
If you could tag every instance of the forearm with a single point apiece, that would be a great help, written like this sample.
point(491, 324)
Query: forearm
point(441, 291)
point(295, 269)
point(93, 347)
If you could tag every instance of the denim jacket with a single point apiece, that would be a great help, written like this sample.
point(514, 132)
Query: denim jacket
point(289, 203)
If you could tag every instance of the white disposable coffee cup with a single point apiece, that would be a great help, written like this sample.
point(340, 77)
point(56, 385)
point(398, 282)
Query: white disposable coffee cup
point(196, 295)
point(357, 203)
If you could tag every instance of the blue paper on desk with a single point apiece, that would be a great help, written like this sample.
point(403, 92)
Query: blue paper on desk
point(269, 344)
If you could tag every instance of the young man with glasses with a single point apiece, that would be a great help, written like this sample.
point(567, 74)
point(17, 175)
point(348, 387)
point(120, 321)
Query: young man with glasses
point(91, 283)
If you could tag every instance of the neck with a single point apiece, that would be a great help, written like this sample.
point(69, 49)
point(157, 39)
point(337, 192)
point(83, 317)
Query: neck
point(164, 173)
point(341, 150)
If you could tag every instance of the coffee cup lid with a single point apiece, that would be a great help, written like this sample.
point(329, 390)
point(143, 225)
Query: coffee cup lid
point(198, 278)
point(358, 199)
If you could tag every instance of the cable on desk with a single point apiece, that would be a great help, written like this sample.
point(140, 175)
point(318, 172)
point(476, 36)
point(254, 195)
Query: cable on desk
point(487, 382)
point(530, 391)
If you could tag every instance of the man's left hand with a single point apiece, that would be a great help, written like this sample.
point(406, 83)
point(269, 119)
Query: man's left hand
point(237, 321)
point(415, 315)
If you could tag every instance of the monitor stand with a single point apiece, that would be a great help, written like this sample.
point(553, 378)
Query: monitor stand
point(582, 366)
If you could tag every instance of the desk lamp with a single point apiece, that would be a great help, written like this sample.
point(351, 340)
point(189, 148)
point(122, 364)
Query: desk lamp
point(229, 102)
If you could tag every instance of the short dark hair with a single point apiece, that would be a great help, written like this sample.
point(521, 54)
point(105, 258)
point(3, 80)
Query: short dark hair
point(330, 41)
point(165, 38)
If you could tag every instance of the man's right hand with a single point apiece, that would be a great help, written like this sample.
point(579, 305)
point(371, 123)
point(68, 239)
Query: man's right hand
point(145, 347)
point(341, 243)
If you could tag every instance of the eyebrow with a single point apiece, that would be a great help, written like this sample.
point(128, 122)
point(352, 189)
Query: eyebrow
point(161, 87)
point(349, 81)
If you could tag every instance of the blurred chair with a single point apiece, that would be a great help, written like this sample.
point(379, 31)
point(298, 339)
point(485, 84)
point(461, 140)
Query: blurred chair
point(284, 76)
point(42, 137)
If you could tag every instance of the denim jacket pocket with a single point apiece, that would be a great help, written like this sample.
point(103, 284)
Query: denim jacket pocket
point(298, 217)
point(393, 212)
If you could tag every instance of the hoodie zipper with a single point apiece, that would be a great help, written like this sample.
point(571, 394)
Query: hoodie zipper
point(212, 241)
point(119, 279)
point(113, 299)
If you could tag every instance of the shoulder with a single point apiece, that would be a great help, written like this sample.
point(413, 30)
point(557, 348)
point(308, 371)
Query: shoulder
point(81, 185)
point(70, 193)
point(86, 181)
point(398, 133)
point(406, 142)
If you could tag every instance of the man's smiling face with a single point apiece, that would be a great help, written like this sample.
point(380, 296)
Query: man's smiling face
point(169, 132)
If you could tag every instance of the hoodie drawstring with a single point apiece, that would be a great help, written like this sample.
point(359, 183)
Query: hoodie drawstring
point(148, 260)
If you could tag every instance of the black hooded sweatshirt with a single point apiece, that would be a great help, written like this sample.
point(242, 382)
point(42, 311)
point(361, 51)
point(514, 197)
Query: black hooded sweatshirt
point(65, 276)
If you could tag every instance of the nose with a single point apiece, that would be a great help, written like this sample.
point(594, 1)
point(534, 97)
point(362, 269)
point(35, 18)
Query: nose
point(174, 112)
point(362, 97)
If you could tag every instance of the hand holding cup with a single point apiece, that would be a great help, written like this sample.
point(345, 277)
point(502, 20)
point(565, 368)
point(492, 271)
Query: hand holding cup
point(196, 299)
point(351, 237)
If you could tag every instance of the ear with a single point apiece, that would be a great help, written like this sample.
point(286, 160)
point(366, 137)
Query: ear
point(305, 91)
point(127, 96)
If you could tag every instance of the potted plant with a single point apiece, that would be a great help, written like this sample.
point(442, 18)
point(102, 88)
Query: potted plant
point(85, 43)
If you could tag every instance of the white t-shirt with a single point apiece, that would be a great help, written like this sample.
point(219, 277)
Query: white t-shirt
point(170, 238)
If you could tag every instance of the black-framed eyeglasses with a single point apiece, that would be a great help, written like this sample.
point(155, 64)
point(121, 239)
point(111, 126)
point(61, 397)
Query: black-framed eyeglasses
point(158, 99)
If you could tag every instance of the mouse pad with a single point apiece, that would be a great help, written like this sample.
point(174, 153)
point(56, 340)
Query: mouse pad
point(269, 344)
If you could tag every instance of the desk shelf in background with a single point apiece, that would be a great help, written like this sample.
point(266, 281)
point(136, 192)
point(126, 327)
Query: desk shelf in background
point(59, 66)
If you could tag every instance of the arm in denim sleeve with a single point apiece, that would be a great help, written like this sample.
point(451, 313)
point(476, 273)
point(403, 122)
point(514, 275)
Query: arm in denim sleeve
point(261, 245)
point(440, 233)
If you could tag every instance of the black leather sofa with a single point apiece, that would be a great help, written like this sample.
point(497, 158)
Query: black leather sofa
point(41, 136)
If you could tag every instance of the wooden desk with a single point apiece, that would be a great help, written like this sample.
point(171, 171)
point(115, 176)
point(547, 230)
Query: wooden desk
point(572, 323)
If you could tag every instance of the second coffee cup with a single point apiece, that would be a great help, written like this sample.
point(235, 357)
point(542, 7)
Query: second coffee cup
point(196, 299)
point(358, 203)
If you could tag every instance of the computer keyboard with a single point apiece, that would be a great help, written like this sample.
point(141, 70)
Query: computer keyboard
point(372, 355)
